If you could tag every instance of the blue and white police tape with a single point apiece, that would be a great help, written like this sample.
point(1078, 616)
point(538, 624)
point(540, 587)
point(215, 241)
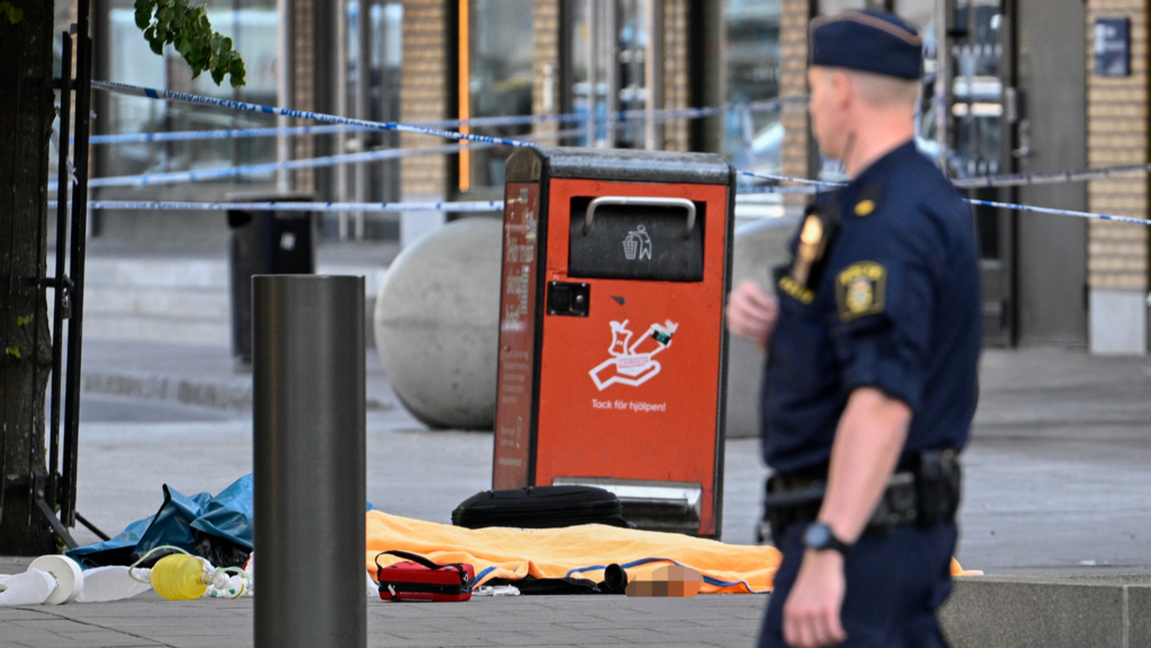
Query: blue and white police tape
point(149, 179)
point(234, 133)
point(687, 113)
point(169, 95)
point(241, 133)
point(252, 169)
point(433, 127)
point(984, 203)
point(468, 206)
point(814, 184)
point(1051, 177)
point(776, 189)
point(162, 205)
point(1003, 180)
point(1060, 212)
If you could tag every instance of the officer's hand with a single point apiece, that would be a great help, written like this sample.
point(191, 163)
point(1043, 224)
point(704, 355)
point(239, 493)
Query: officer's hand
point(752, 312)
point(811, 613)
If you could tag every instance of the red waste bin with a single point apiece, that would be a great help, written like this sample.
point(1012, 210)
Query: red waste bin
point(612, 344)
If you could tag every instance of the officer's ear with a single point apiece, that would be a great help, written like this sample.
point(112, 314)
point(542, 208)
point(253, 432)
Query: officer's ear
point(842, 87)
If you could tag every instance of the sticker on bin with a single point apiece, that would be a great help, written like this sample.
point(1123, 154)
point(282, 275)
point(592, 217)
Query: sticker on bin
point(635, 364)
point(637, 244)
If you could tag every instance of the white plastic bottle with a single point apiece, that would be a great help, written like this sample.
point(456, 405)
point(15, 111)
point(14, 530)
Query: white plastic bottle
point(30, 588)
point(113, 583)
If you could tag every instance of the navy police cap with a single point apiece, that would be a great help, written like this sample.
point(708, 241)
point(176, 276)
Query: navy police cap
point(868, 41)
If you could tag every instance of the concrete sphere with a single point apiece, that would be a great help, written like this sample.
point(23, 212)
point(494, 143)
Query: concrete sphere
point(437, 324)
point(759, 246)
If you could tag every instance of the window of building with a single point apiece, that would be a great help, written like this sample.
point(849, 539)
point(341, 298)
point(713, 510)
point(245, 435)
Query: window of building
point(608, 46)
point(495, 80)
point(253, 26)
point(373, 45)
point(754, 137)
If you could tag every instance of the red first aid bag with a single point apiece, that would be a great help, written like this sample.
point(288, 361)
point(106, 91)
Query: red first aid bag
point(419, 579)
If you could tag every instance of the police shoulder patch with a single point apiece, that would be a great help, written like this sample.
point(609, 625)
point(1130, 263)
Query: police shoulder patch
point(859, 290)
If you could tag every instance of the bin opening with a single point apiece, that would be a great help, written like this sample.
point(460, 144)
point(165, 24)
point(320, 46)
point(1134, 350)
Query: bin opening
point(651, 505)
point(648, 239)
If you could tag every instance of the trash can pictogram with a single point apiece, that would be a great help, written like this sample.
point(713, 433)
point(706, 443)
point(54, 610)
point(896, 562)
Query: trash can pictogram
point(612, 345)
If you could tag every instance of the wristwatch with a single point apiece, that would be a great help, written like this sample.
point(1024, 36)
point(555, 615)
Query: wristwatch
point(820, 537)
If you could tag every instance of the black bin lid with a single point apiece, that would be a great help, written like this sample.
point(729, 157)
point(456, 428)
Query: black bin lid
point(533, 163)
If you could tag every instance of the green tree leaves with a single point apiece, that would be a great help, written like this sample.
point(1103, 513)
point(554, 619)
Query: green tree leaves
point(11, 12)
point(186, 28)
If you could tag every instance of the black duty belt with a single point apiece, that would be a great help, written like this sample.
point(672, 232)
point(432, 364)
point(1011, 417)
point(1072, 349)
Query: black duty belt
point(925, 495)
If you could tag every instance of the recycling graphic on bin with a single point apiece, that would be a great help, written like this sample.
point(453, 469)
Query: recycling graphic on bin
point(611, 359)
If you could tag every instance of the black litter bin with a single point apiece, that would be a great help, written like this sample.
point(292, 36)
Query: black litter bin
point(264, 241)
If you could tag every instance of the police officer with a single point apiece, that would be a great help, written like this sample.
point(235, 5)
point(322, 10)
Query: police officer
point(873, 340)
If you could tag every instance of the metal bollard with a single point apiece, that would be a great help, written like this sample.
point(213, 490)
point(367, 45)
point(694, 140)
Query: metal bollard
point(309, 447)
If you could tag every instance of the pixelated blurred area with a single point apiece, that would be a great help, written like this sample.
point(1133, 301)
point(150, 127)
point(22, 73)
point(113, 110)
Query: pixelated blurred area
point(669, 581)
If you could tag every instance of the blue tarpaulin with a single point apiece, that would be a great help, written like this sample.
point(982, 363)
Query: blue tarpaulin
point(218, 528)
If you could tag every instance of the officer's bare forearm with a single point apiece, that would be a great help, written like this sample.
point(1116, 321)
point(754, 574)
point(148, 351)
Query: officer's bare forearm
point(868, 442)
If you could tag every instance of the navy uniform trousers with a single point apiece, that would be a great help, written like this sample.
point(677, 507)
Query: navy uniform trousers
point(895, 583)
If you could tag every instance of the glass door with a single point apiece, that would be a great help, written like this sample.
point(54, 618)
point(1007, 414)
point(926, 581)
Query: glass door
point(608, 47)
point(968, 129)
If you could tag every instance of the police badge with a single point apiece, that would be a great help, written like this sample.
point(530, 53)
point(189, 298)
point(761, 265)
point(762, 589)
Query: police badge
point(859, 290)
point(820, 225)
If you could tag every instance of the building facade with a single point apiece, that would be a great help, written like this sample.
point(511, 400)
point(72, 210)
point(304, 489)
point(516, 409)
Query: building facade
point(1029, 88)
point(1013, 87)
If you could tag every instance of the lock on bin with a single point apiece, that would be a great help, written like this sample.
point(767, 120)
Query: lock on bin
point(264, 241)
point(612, 345)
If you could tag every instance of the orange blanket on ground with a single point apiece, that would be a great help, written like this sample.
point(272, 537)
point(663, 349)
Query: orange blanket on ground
point(578, 552)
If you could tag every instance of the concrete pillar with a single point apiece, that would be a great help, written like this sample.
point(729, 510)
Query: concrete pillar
point(437, 324)
point(1118, 322)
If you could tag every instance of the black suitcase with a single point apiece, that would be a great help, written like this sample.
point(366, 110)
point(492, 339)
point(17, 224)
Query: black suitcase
point(540, 507)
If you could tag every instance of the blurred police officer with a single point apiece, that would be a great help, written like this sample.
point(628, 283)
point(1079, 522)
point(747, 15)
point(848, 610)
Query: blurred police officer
point(873, 338)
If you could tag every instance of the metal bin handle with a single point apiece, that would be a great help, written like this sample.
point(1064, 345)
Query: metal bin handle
point(641, 201)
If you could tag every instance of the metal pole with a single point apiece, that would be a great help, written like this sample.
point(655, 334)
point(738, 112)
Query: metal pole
point(285, 87)
point(708, 30)
point(60, 289)
point(653, 74)
point(342, 139)
point(79, 242)
point(365, 78)
point(942, 81)
point(592, 61)
point(609, 40)
point(309, 444)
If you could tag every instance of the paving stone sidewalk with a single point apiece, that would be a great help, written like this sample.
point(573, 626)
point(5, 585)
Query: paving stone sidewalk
point(1056, 486)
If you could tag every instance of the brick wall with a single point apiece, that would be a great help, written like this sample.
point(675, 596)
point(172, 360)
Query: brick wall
point(424, 93)
point(1119, 132)
point(303, 88)
point(676, 86)
point(794, 19)
point(546, 45)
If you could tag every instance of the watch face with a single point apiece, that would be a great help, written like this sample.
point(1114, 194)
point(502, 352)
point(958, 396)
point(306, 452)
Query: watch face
point(817, 536)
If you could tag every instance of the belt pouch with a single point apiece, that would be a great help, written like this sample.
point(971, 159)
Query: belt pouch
point(938, 481)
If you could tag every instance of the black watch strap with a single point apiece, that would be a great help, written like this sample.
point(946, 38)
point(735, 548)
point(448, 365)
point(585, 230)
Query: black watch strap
point(820, 537)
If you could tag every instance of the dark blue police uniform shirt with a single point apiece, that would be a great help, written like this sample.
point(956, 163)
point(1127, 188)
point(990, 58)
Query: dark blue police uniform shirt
point(896, 306)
